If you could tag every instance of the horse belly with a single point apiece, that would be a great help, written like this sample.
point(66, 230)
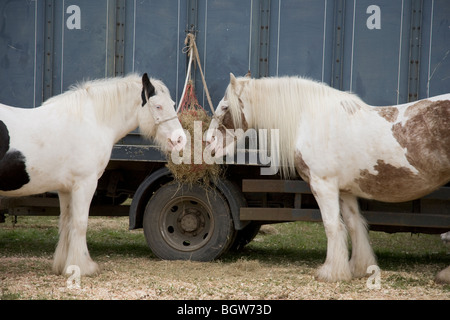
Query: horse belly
point(393, 184)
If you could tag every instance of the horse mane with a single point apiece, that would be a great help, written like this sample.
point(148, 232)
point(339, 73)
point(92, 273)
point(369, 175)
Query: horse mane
point(281, 103)
point(109, 97)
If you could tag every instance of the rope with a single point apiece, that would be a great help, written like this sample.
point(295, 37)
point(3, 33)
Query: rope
point(192, 51)
point(188, 76)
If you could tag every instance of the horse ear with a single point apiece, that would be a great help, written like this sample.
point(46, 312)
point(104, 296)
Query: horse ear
point(249, 74)
point(233, 80)
point(148, 90)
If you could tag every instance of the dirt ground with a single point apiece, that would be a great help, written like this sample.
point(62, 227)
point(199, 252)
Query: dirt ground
point(140, 278)
point(254, 274)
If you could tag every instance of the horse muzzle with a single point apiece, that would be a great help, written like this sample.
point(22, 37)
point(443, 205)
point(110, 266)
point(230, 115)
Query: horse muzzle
point(177, 141)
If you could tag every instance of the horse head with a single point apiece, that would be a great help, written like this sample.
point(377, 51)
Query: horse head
point(158, 118)
point(230, 115)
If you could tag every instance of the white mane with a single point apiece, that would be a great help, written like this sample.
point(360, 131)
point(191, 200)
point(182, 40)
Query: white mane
point(281, 103)
point(110, 97)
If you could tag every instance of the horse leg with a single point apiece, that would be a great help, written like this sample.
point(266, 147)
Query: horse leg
point(362, 253)
point(60, 256)
point(77, 253)
point(336, 266)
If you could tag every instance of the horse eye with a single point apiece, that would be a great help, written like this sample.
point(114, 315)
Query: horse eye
point(158, 107)
point(224, 108)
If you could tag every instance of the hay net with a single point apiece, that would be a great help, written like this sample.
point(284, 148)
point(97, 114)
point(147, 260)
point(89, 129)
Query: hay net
point(193, 168)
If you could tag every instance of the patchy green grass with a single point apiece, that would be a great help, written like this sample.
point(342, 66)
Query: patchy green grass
point(279, 264)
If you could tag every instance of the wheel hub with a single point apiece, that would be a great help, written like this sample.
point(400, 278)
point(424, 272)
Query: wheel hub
point(191, 221)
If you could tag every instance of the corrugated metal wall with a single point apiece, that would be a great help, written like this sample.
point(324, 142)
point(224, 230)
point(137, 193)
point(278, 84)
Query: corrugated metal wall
point(387, 51)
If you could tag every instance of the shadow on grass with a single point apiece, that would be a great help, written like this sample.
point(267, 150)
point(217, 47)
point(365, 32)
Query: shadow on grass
point(398, 261)
point(43, 241)
point(296, 244)
point(388, 261)
point(277, 256)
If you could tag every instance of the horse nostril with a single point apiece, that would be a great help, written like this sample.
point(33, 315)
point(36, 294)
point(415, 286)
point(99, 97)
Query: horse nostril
point(180, 142)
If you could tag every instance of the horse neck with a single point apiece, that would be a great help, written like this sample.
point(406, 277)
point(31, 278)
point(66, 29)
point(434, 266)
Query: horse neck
point(126, 119)
point(112, 104)
point(272, 101)
point(124, 126)
point(291, 104)
point(117, 107)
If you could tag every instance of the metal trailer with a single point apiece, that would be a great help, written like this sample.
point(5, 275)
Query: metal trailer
point(388, 52)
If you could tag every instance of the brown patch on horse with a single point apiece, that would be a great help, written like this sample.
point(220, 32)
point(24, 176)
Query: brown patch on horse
point(302, 167)
point(228, 120)
point(390, 183)
point(418, 107)
point(389, 113)
point(426, 137)
point(228, 123)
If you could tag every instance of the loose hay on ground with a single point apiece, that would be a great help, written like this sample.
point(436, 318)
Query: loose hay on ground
point(277, 266)
point(149, 279)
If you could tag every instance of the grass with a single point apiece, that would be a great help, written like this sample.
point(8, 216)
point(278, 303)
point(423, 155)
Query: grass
point(279, 264)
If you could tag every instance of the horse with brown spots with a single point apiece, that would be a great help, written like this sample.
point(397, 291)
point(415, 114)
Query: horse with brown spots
point(344, 149)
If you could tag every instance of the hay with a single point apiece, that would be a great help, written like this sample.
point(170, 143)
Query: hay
point(189, 172)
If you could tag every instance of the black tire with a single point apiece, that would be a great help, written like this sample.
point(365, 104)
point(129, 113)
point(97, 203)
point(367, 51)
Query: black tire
point(245, 236)
point(188, 223)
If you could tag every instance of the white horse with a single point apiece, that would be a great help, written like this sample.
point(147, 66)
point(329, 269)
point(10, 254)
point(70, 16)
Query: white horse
point(345, 149)
point(65, 145)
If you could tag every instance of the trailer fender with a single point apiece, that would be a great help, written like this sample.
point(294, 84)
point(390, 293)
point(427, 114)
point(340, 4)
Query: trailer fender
point(144, 193)
point(235, 199)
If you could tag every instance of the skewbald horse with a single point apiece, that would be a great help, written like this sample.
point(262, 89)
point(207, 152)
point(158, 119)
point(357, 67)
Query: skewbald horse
point(344, 149)
point(65, 145)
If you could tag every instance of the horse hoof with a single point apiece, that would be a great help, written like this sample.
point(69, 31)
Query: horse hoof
point(58, 269)
point(89, 268)
point(361, 272)
point(328, 274)
point(443, 277)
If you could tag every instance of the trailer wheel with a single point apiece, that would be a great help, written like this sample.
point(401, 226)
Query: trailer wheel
point(188, 223)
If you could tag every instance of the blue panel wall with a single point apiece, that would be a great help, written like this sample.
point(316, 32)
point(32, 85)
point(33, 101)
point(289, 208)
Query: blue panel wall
point(84, 53)
point(435, 54)
point(154, 41)
point(284, 37)
point(223, 41)
point(376, 59)
point(21, 52)
point(301, 39)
